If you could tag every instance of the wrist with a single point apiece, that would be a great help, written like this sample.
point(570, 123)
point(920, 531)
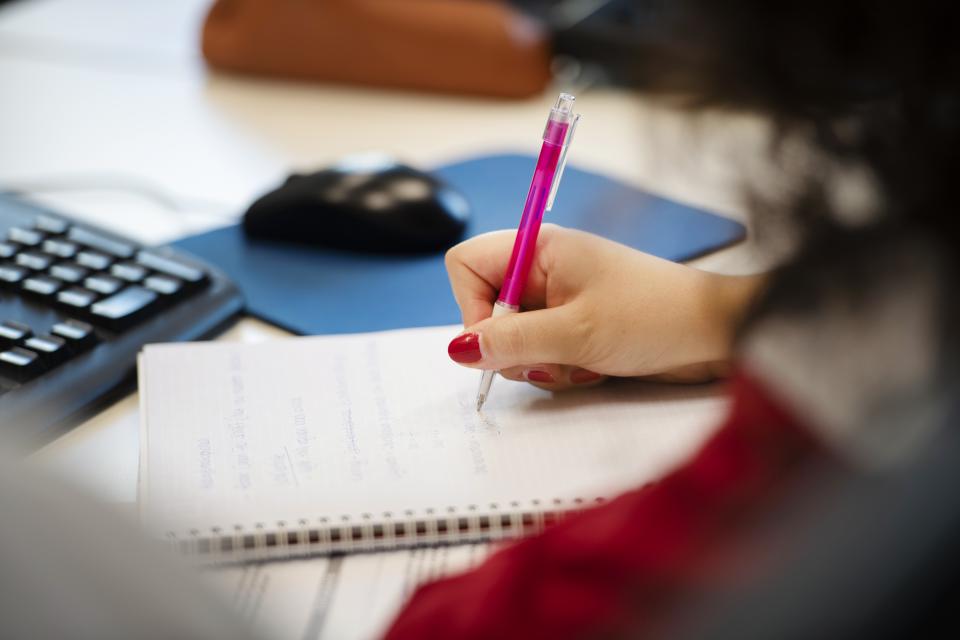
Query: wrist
point(728, 300)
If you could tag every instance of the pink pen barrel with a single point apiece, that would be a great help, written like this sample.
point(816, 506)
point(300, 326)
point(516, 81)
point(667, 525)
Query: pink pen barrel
point(543, 190)
point(518, 269)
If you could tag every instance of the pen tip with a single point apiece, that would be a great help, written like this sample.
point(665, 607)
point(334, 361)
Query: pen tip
point(481, 398)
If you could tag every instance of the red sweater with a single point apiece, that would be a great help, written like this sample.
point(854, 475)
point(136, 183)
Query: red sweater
point(611, 569)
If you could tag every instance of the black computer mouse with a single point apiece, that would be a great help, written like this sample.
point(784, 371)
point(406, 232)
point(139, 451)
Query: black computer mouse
point(370, 205)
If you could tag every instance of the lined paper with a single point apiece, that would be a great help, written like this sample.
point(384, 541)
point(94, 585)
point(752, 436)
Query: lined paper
point(378, 425)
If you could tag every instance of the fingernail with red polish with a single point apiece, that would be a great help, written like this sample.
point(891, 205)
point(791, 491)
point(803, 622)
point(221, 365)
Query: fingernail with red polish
point(465, 348)
point(581, 376)
point(535, 375)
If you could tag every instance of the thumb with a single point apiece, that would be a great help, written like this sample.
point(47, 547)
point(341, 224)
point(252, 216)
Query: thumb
point(546, 335)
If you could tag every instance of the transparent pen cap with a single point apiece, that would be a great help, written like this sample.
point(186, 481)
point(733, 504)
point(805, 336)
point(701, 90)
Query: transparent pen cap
point(562, 119)
point(563, 109)
point(561, 125)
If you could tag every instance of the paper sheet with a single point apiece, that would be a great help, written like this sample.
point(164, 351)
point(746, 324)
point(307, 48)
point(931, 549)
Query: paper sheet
point(367, 426)
point(339, 598)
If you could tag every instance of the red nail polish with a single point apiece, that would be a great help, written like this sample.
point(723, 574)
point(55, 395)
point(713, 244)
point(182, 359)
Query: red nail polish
point(535, 375)
point(581, 376)
point(465, 348)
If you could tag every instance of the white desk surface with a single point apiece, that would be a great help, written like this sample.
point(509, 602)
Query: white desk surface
point(114, 91)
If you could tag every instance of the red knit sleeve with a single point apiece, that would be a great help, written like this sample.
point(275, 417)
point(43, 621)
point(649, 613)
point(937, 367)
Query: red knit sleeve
point(608, 570)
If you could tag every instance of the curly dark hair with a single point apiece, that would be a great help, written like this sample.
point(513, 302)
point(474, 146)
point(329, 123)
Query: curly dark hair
point(871, 84)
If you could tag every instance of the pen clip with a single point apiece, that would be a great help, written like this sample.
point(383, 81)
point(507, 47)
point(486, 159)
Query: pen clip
point(563, 162)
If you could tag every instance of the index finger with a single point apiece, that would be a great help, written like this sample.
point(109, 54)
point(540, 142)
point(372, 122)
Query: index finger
point(475, 268)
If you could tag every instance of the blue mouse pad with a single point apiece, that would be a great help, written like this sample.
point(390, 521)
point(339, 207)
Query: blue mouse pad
point(310, 290)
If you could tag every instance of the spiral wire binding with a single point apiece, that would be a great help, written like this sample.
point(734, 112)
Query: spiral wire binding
point(328, 536)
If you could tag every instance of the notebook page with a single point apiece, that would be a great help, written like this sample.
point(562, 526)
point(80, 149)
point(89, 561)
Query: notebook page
point(327, 428)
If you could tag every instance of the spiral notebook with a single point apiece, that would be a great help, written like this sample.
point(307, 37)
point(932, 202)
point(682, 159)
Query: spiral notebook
point(342, 443)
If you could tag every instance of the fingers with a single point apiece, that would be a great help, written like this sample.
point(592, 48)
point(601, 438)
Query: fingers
point(476, 268)
point(545, 374)
point(554, 377)
point(547, 335)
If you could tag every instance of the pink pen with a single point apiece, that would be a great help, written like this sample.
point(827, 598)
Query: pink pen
point(543, 190)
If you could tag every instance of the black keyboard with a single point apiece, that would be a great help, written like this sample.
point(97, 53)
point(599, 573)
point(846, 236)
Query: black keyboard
point(76, 305)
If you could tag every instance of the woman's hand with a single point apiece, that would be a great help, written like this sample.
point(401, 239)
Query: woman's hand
point(594, 308)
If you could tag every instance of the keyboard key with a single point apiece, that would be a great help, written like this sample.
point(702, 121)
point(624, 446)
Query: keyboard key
point(170, 267)
point(68, 272)
point(128, 271)
point(77, 297)
point(34, 261)
point(42, 285)
point(101, 243)
point(20, 364)
point(18, 356)
point(103, 284)
point(78, 334)
point(12, 331)
point(123, 308)
point(93, 260)
point(7, 250)
point(60, 248)
point(53, 349)
point(26, 237)
point(11, 274)
point(163, 285)
point(51, 225)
